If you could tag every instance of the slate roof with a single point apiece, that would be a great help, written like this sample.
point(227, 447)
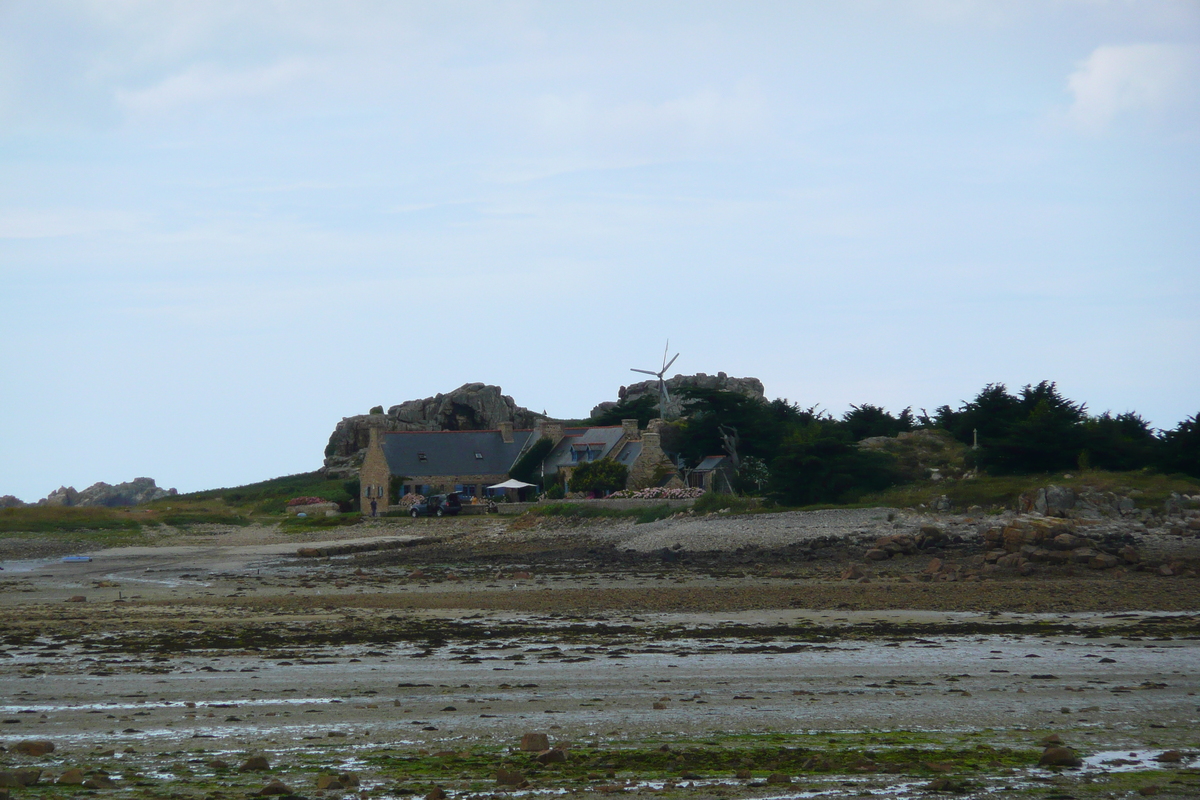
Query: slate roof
point(710, 463)
point(629, 453)
point(451, 452)
point(605, 439)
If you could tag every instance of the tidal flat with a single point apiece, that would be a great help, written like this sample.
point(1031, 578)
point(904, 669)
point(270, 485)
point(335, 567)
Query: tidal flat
point(415, 673)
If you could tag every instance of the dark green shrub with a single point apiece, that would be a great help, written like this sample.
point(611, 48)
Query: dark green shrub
point(604, 475)
point(527, 465)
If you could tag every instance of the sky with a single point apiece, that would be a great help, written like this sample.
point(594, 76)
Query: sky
point(225, 226)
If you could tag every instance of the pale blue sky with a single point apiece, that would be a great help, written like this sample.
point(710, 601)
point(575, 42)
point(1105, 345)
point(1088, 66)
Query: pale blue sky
point(226, 225)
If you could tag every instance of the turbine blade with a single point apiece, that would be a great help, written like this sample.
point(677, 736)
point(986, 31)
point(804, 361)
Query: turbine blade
point(665, 351)
point(669, 363)
point(645, 371)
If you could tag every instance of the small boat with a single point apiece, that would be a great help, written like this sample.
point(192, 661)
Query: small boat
point(73, 559)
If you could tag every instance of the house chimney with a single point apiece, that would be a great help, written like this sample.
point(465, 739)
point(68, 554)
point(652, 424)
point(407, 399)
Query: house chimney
point(506, 432)
point(630, 426)
point(552, 430)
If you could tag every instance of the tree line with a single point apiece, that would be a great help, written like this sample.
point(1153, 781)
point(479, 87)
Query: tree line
point(801, 456)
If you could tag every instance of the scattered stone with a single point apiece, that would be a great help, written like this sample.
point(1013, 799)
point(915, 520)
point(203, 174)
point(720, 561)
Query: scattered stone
point(947, 785)
point(1053, 738)
point(554, 756)
point(1058, 756)
point(743, 774)
point(438, 793)
point(778, 778)
point(28, 776)
point(77, 598)
point(275, 787)
point(506, 778)
point(853, 573)
point(877, 554)
point(34, 747)
point(930, 536)
point(535, 742)
point(1169, 757)
point(99, 780)
point(218, 764)
point(255, 764)
point(72, 777)
point(1148, 790)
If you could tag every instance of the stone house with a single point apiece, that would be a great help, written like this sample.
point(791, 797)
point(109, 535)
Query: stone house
point(713, 474)
point(467, 462)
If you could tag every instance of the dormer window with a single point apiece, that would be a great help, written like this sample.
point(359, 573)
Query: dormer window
point(422, 457)
point(479, 456)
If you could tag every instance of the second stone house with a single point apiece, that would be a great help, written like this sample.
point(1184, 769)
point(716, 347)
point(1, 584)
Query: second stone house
point(467, 462)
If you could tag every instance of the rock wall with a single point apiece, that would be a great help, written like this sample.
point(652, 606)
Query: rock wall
point(131, 493)
point(470, 407)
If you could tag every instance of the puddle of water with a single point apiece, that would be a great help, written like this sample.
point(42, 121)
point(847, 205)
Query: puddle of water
point(1134, 761)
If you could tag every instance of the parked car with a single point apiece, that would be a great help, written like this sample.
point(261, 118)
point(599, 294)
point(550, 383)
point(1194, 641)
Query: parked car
point(437, 505)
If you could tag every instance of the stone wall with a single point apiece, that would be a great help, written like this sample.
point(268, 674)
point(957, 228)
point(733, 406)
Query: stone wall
point(374, 476)
point(651, 463)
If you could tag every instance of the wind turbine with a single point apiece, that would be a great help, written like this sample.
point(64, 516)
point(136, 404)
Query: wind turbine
point(664, 396)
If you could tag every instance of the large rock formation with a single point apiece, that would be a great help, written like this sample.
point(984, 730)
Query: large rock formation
point(751, 387)
point(470, 407)
point(9, 501)
point(131, 493)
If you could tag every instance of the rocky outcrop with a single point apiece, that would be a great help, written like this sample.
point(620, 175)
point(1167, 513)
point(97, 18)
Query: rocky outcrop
point(750, 387)
point(131, 493)
point(1083, 503)
point(470, 407)
point(8, 501)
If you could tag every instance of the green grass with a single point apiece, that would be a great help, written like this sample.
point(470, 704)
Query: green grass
point(270, 497)
point(301, 524)
point(47, 519)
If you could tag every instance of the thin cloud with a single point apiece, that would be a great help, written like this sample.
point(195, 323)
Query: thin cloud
point(206, 84)
point(38, 224)
point(1141, 80)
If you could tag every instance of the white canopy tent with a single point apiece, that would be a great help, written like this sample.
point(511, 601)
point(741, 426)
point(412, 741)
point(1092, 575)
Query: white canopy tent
point(512, 483)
